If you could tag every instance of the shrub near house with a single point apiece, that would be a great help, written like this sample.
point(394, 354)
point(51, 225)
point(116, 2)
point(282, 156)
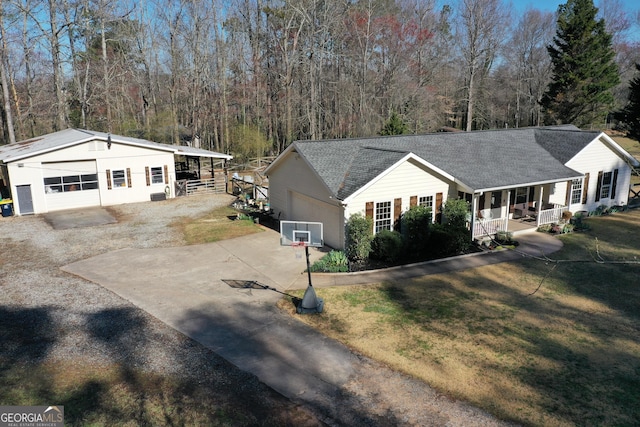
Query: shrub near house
point(419, 239)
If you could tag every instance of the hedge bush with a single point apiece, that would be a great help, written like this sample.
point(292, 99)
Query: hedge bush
point(387, 246)
point(416, 223)
point(358, 237)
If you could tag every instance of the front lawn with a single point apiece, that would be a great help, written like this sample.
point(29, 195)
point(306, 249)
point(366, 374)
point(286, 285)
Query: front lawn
point(219, 224)
point(539, 342)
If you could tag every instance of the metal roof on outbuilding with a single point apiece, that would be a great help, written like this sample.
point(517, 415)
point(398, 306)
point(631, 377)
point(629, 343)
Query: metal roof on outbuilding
point(70, 137)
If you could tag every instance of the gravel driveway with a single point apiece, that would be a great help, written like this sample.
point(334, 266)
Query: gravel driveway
point(32, 252)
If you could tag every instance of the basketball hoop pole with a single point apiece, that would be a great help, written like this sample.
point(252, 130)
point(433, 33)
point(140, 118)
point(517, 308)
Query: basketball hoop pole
point(306, 252)
point(310, 302)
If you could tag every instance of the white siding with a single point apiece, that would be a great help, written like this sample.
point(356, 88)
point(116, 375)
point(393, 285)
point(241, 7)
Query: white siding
point(408, 179)
point(559, 195)
point(297, 194)
point(31, 171)
point(596, 157)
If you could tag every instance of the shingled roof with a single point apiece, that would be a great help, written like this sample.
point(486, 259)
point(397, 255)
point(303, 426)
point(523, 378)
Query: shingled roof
point(478, 161)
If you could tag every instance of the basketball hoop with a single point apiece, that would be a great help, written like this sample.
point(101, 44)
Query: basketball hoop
point(298, 248)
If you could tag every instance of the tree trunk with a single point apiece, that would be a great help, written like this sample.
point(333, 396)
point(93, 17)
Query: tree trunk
point(58, 81)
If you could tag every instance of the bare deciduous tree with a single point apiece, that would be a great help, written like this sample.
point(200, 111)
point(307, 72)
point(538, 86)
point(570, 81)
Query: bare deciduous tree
point(480, 30)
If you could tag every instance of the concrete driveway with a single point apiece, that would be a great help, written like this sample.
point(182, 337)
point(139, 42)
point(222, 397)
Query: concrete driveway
point(185, 288)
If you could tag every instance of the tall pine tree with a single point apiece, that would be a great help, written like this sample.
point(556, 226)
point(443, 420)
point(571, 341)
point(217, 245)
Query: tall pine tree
point(630, 114)
point(584, 70)
point(394, 126)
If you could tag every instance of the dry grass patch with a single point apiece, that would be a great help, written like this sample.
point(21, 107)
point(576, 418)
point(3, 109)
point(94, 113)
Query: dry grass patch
point(633, 147)
point(220, 224)
point(566, 354)
point(115, 395)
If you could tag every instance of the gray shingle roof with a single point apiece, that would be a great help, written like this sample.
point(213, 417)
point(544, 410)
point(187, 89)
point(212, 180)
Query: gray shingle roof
point(480, 160)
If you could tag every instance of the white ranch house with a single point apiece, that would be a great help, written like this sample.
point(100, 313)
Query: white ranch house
point(76, 168)
point(514, 179)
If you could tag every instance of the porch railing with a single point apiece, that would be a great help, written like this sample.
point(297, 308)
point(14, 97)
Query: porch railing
point(549, 216)
point(486, 227)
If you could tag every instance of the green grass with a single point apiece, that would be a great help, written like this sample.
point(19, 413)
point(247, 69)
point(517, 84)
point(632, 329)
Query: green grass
point(541, 343)
point(220, 224)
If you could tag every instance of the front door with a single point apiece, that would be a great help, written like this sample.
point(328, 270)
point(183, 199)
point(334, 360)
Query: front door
point(25, 201)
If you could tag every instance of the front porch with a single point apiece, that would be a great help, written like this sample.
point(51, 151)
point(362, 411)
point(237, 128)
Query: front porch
point(523, 219)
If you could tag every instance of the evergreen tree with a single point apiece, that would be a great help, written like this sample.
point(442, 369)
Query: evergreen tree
point(630, 114)
point(394, 126)
point(584, 70)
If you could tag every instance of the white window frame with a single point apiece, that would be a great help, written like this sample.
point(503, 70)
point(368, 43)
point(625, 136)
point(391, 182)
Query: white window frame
point(576, 191)
point(428, 202)
point(605, 187)
point(383, 216)
point(119, 181)
point(155, 177)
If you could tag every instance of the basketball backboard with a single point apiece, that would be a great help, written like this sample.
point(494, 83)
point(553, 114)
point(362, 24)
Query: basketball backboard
point(293, 232)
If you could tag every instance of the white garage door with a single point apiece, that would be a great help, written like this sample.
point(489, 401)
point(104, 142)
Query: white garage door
point(305, 208)
point(69, 185)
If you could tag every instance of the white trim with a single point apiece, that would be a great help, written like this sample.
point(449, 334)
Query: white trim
point(433, 203)
point(531, 184)
point(375, 215)
point(616, 147)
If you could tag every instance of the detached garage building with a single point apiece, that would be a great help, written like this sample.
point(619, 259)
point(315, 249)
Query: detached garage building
point(77, 168)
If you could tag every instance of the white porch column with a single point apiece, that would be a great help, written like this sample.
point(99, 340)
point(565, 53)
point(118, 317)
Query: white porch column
point(539, 208)
point(474, 208)
point(506, 218)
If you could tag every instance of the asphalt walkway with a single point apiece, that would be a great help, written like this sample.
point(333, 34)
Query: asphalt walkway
point(188, 289)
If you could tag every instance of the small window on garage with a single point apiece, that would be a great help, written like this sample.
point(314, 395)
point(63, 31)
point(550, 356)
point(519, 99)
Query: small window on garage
point(119, 178)
point(53, 185)
point(67, 183)
point(89, 181)
point(157, 175)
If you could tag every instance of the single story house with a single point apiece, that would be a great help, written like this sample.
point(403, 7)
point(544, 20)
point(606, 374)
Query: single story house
point(512, 178)
point(76, 168)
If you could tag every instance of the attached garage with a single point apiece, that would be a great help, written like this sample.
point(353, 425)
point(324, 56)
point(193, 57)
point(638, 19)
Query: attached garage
point(71, 185)
point(303, 208)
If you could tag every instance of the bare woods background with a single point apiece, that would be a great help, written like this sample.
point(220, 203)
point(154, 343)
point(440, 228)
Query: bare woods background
point(251, 76)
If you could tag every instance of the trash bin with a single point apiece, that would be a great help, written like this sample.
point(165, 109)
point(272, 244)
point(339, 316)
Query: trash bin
point(7, 207)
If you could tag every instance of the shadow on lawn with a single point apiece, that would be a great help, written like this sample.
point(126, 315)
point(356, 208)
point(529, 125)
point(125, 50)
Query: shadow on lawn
point(202, 389)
